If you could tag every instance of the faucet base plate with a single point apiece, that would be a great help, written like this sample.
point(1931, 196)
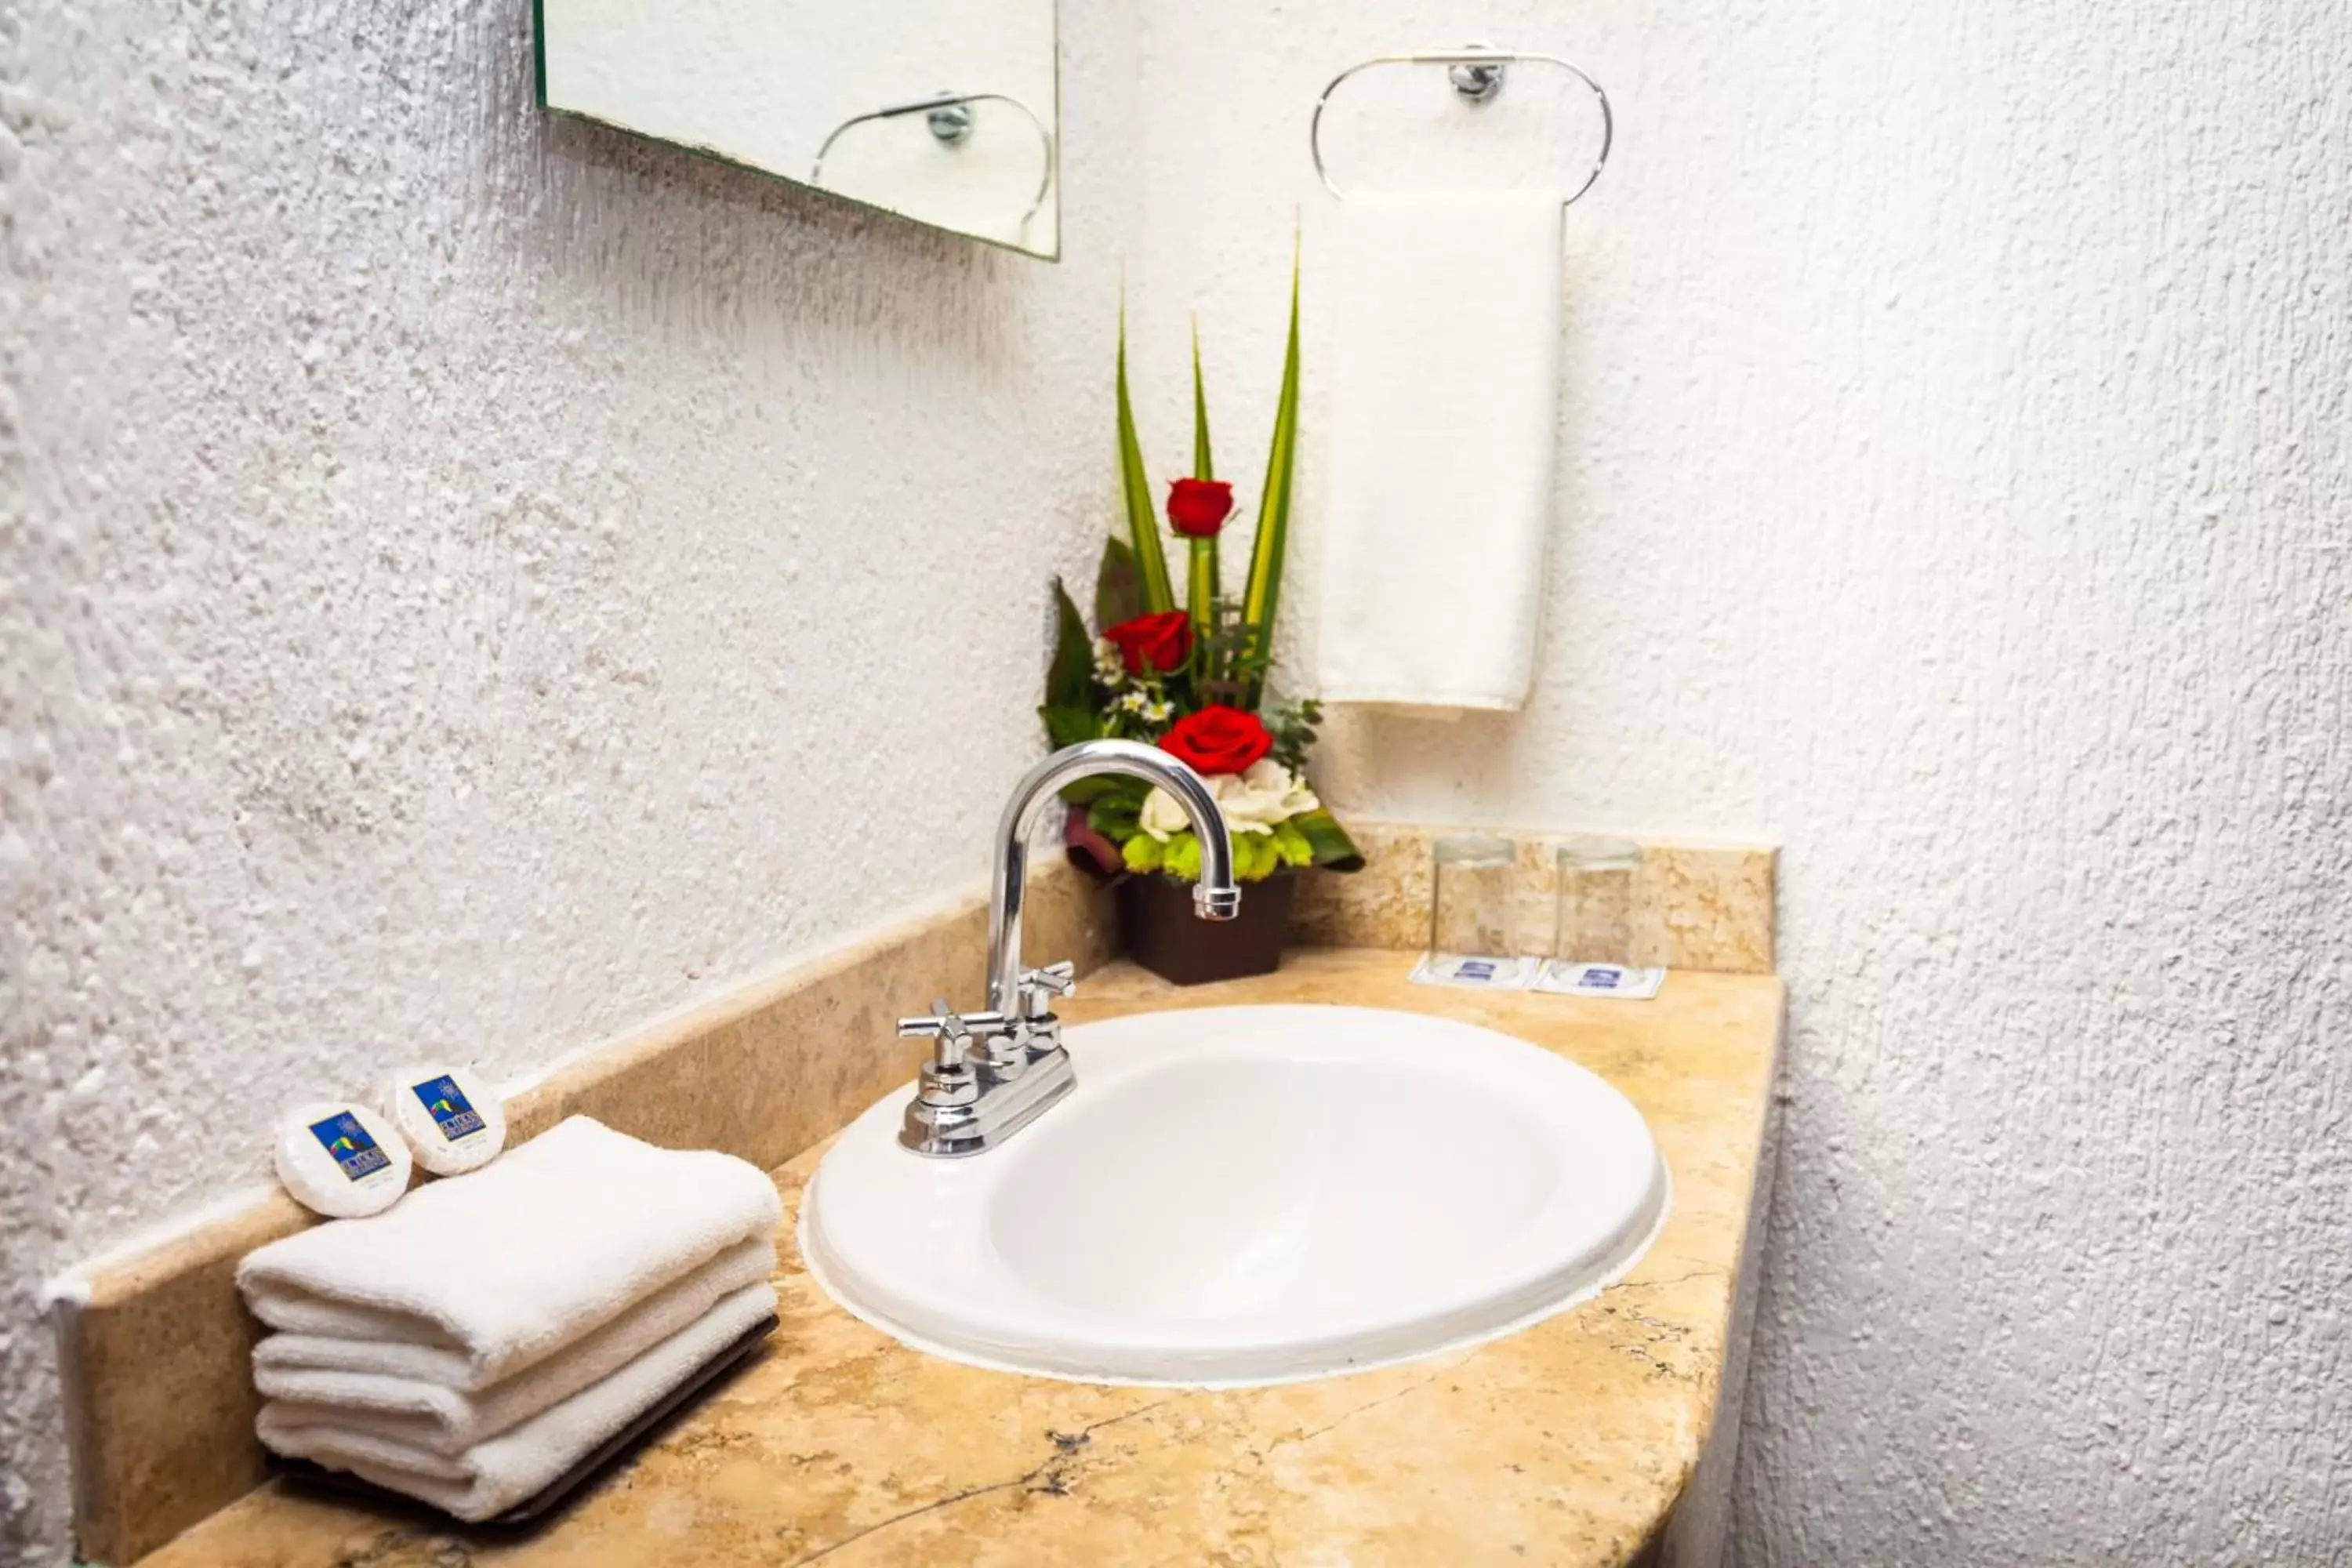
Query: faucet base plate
point(1002, 1108)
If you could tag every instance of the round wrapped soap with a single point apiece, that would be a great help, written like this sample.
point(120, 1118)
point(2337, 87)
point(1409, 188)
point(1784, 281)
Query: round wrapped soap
point(340, 1159)
point(453, 1123)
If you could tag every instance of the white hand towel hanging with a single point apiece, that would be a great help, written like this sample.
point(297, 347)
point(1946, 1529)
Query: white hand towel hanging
point(1445, 398)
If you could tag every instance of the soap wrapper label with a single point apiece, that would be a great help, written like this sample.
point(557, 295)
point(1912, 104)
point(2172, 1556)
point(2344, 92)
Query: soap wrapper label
point(1473, 973)
point(348, 1144)
point(451, 1112)
point(1618, 980)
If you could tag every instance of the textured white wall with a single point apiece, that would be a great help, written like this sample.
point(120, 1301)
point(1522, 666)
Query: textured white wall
point(1953, 487)
point(463, 580)
point(468, 581)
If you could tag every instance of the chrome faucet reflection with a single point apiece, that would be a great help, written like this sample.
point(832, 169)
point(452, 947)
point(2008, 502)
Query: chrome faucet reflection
point(993, 1073)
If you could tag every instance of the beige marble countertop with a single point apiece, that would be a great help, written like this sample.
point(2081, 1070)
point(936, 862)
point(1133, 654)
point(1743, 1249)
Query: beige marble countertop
point(1571, 1442)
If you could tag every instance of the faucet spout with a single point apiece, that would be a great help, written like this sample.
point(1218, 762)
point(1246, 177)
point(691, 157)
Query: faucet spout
point(1217, 896)
point(997, 1071)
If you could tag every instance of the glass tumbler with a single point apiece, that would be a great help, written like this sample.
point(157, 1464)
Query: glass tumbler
point(1470, 900)
point(1593, 920)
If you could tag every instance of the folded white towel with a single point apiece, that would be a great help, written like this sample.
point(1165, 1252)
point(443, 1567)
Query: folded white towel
point(406, 1392)
point(507, 1265)
point(495, 1474)
point(1445, 376)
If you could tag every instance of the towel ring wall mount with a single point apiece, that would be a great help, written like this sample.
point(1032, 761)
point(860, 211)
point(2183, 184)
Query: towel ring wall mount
point(1477, 73)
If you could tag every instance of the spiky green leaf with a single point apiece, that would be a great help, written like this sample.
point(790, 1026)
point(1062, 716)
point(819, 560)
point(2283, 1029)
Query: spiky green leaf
point(1201, 571)
point(1069, 680)
point(1203, 468)
point(1142, 517)
point(1119, 592)
point(1263, 596)
point(1200, 603)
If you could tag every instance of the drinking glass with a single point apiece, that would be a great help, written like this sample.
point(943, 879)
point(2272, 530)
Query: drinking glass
point(1592, 919)
point(1470, 906)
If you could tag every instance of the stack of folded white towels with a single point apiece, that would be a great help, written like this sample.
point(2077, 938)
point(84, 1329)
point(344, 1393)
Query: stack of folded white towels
point(475, 1342)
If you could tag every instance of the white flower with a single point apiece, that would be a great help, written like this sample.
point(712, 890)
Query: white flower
point(1110, 667)
point(1161, 817)
point(1133, 701)
point(1157, 712)
point(1253, 802)
point(1268, 794)
point(1266, 776)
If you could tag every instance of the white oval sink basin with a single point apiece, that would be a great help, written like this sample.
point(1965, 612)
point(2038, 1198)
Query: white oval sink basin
point(1240, 1196)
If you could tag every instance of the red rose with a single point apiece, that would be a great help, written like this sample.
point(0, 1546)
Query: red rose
point(1153, 644)
point(1218, 740)
point(1197, 509)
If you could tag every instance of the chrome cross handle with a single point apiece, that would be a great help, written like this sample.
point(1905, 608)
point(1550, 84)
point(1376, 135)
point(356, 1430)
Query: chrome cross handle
point(954, 1031)
point(1039, 987)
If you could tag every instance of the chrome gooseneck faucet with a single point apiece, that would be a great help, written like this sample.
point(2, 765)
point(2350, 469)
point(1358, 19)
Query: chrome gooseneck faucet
point(967, 1101)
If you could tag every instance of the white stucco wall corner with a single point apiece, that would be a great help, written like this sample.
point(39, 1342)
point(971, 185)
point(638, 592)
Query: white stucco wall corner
point(465, 578)
point(465, 587)
point(68, 1290)
point(1953, 448)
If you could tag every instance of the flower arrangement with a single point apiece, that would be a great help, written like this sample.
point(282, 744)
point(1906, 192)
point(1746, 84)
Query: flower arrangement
point(1192, 681)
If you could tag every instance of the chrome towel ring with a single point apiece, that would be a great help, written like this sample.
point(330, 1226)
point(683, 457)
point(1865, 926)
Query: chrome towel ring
point(1477, 73)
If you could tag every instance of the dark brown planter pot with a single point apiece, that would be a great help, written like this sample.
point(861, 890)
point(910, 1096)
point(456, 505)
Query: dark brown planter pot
point(1161, 934)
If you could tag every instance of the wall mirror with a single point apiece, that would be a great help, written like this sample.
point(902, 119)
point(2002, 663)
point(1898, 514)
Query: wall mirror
point(941, 111)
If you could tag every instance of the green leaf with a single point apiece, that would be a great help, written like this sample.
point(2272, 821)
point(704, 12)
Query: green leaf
point(1116, 817)
point(1202, 467)
point(1142, 517)
point(1118, 593)
point(1200, 603)
point(1263, 596)
point(1068, 726)
point(1094, 786)
point(1293, 725)
point(1069, 679)
point(1200, 566)
point(1291, 845)
point(1334, 850)
point(1143, 853)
